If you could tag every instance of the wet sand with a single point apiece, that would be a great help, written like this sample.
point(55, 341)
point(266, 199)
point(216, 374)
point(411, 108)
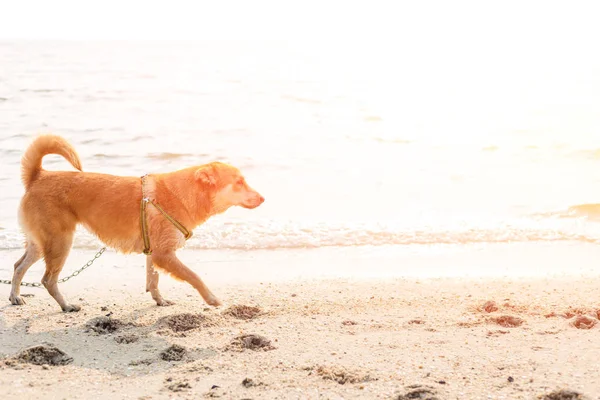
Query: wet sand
point(302, 337)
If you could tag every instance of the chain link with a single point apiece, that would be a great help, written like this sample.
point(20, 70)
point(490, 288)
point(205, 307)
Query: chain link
point(80, 270)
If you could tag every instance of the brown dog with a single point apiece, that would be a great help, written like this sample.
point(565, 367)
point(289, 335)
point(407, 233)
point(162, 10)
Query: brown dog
point(111, 207)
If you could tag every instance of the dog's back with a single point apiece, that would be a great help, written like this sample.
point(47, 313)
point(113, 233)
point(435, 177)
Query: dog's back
point(56, 201)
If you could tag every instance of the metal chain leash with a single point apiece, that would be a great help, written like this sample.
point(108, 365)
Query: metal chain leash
point(74, 274)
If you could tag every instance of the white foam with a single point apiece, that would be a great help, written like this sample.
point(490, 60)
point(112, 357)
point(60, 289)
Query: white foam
point(269, 234)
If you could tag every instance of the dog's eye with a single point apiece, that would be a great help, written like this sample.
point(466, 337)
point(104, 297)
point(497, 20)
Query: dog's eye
point(240, 181)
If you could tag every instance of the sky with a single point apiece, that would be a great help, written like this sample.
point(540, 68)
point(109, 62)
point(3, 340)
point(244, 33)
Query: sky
point(470, 61)
point(386, 20)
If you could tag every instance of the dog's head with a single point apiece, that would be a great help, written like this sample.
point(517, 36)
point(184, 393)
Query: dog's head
point(228, 186)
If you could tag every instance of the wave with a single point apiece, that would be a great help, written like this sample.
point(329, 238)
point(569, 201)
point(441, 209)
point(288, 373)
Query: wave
point(271, 235)
point(301, 99)
point(590, 154)
point(165, 156)
point(42, 90)
point(589, 212)
point(252, 239)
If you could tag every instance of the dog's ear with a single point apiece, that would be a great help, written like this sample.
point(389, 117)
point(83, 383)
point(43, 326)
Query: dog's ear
point(206, 175)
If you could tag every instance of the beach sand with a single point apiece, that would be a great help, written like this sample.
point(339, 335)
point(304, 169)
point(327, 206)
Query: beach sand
point(370, 332)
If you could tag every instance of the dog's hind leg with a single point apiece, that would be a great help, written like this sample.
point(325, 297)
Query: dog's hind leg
point(170, 263)
point(32, 254)
point(56, 251)
point(152, 277)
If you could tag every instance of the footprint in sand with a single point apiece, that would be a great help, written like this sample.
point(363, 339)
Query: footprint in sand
point(104, 325)
point(584, 322)
point(250, 342)
point(489, 307)
point(184, 322)
point(342, 375)
point(419, 392)
point(127, 339)
point(508, 321)
point(582, 318)
point(243, 312)
point(45, 354)
point(174, 353)
point(563, 394)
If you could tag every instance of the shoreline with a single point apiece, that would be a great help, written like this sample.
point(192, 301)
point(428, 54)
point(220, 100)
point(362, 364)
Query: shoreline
point(225, 267)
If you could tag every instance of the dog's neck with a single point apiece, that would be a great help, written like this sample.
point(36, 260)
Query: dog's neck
point(196, 202)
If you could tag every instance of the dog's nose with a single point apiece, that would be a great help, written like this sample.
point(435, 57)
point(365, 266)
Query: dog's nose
point(262, 199)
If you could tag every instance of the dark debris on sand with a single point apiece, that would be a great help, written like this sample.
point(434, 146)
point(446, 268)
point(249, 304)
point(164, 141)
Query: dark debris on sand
point(251, 342)
point(563, 394)
point(104, 325)
point(419, 392)
point(44, 354)
point(174, 353)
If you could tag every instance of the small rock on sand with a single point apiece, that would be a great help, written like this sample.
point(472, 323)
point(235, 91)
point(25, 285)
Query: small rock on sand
point(248, 383)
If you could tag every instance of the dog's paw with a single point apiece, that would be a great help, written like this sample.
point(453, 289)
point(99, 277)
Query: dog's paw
point(71, 308)
point(16, 300)
point(164, 303)
point(213, 301)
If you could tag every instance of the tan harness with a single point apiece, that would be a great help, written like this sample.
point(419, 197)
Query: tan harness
point(144, 219)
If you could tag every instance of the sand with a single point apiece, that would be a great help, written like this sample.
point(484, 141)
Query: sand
point(490, 337)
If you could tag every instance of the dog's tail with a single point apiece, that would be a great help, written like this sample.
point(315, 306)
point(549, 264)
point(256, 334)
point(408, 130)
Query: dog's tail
point(31, 163)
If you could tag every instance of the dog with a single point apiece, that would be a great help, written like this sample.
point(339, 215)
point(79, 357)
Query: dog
point(153, 215)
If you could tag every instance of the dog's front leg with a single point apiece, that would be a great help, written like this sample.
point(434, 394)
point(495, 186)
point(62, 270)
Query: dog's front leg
point(169, 262)
point(152, 283)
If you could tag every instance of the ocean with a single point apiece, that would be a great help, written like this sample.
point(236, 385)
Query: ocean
point(349, 149)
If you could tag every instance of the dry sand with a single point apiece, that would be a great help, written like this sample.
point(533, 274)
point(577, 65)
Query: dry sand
point(411, 338)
